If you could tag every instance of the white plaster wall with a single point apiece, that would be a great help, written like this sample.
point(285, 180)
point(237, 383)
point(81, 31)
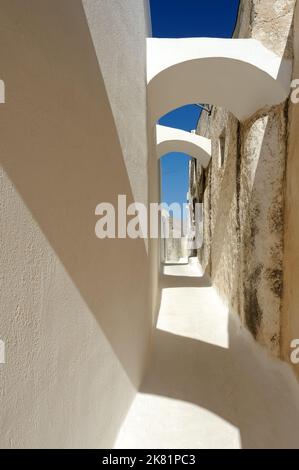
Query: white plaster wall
point(74, 310)
point(123, 65)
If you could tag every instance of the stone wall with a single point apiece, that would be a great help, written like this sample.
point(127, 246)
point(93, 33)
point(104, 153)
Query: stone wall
point(290, 317)
point(244, 196)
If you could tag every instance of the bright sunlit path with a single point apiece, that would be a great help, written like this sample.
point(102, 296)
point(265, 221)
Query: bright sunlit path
point(167, 413)
point(185, 267)
point(209, 385)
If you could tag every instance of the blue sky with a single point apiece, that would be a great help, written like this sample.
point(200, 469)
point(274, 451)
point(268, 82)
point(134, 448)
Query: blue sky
point(187, 18)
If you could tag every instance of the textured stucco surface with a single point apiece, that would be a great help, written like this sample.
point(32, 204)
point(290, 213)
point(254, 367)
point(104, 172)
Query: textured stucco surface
point(74, 314)
point(244, 198)
point(122, 56)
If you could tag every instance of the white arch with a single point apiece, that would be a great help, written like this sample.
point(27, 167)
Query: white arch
point(240, 75)
point(177, 140)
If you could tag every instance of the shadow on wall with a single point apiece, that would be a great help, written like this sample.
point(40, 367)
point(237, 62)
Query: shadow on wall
point(255, 284)
point(60, 149)
point(173, 281)
point(224, 224)
point(238, 384)
point(262, 226)
point(252, 241)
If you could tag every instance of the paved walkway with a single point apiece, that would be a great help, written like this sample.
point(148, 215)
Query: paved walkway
point(209, 385)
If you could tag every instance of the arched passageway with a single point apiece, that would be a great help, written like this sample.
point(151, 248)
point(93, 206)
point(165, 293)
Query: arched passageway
point(177, 140)
point(240, 75)
point(208, 385)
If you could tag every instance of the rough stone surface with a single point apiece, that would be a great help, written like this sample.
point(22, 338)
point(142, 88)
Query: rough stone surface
point(261, 224)
point(244, 197)
point(290, 317)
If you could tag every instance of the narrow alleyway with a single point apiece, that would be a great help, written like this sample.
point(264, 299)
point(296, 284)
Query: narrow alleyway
point(209, 385)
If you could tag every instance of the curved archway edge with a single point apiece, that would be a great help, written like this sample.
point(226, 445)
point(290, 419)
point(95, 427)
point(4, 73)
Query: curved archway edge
point(240, 75)
point(169, 140)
